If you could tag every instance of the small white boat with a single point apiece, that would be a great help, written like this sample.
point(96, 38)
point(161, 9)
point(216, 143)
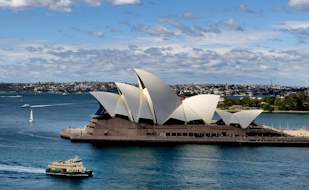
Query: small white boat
point(25, 106)
point(31, 116)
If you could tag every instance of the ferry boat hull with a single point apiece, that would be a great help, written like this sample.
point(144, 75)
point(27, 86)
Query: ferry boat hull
point(87, 173)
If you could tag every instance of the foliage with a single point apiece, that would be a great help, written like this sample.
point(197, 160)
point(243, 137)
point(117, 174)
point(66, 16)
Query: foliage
point(296, 102)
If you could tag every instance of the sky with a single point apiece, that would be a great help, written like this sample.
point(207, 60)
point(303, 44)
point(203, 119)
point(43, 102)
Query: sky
point(180, 41)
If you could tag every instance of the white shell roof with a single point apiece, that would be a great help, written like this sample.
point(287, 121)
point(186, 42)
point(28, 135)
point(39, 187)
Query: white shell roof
point(225, 116)
point(246, 117)
point(149, 104)
point(243, 118)
point(145, 112)
point(164, 99)
point(179, 114)
point(157, 101)
point(234, 119)
point(108, 100)
point(121, 108)
point(203, 105)
point(196, 108)
point(132, 97)
point(190, 114)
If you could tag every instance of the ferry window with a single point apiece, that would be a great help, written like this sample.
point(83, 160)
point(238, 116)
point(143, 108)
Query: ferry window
point(179, 134)
point(190, 134)
point(185, 134)
point(173, 134)
point(168, 134)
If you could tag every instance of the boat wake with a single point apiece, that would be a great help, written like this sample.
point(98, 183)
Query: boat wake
point(49, 105)
point(17, 96)
point(29, 133)
point(21, 169)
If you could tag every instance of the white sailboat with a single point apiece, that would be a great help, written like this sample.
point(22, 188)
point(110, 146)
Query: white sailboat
point(31, 116)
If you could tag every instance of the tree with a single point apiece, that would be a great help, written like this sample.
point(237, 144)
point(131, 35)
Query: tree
point(269, 100)
point(278, 102)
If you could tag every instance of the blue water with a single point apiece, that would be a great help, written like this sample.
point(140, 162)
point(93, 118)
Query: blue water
point(24, 157)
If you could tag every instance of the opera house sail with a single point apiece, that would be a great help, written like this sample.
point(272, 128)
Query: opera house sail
point(152, 112)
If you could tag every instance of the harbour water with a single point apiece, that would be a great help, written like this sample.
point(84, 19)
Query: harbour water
point(25, 156)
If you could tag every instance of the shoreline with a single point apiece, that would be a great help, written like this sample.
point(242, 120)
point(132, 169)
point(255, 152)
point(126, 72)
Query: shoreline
point(264, 111)
point(291, 111)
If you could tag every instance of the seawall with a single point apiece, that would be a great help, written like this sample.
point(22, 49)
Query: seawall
point(80, 135)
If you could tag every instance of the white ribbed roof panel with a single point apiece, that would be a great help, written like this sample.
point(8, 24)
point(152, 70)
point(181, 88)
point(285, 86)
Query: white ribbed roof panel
point(164, 99)
point(234, 120)
point(204, 105)
point(145, 112)
point(246, 117)
point(108, 100)
point(225, 116)
point(149, 104)
point(132, 96)
point(179, 114)
point(121, 108)
point(190, 115)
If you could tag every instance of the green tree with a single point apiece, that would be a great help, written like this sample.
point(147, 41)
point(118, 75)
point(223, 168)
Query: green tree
point(267, 107)
point(269, 100)
point(245, 101)
point(290, 102)
point(279, 103)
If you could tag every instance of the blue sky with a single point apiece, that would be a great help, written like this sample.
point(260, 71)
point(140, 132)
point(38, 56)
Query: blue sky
point(186, 41)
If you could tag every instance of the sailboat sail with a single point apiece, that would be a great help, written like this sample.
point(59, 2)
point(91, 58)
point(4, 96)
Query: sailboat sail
point(31, 117)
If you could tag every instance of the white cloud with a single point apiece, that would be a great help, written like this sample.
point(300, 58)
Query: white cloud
point(293, 24)
point(93, 2)
point(114, 2)
point(155, 30)
point(55, 5)
point(231, 24)
point(294, 27)
point(299, 4)
point(245, 8)
point(47, 62)
point(98, 34)
point(194, 31)
point(187, 15)
point(58, 5)
point(125, 2)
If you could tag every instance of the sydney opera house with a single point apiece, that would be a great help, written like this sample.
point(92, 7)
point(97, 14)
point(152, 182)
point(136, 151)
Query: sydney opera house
point(152, 112)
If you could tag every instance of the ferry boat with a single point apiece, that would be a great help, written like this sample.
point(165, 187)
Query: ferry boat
point(72, 167)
